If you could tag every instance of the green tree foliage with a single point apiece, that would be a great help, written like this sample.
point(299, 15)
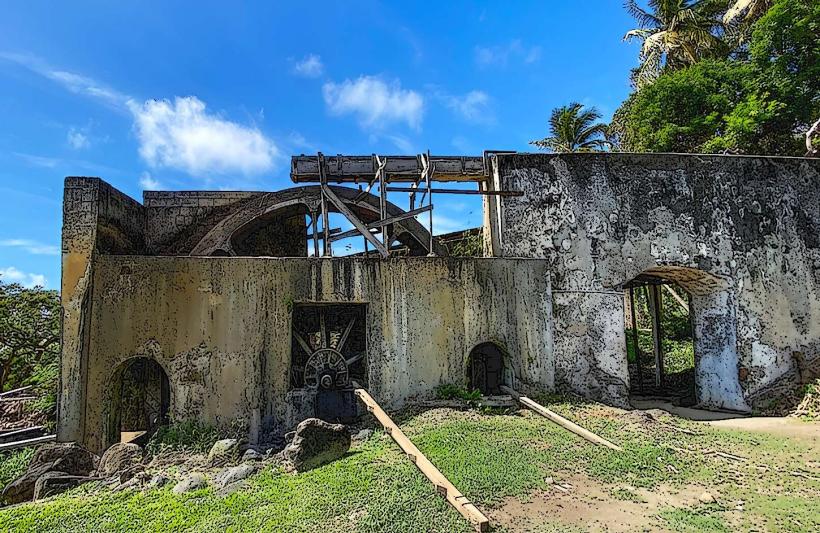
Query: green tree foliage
point(29, 338)
point(674, 34)
point(762, 105)
point(574, 129)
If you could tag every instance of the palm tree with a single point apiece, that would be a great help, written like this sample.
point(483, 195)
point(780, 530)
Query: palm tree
point(573, 129)
point(745, 11)
point(740, 17)
point(675, 34)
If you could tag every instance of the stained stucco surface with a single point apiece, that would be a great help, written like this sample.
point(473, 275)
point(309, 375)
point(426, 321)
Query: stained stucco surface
point(741, 234)
point(221, 326)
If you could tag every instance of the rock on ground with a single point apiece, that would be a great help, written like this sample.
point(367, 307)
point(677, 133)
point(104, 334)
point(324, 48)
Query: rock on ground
point(315, 443)
point(252, 455)
point(234, 474)
point(53, 483)
point(189, 483)
point(119, 457)
point(223, 452)
point(69, 459)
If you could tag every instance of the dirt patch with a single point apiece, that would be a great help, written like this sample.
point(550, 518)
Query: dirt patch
point(581, 502)
point(781, 426)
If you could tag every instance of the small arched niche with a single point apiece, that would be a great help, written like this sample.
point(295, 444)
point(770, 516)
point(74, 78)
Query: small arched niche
point(140, 400)
point(485, 368)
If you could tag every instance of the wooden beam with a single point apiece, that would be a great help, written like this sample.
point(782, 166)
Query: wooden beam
point(14, 391)
point(676, 296)
point(379, 223)
point(560, 420)
point(458, 191)
point(14, 432)
point(343, 209)
point(28, 442)
point(442, 484)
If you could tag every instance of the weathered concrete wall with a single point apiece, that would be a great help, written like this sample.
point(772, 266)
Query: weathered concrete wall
point(742, 234)
point(220, 327)
point(96, 217)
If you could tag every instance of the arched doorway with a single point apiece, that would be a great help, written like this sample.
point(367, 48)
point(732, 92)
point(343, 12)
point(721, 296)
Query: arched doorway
point(681, 338)
point(485, 368)
point(140, 400)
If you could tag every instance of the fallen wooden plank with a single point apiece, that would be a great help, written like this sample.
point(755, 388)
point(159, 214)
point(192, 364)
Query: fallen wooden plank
point(442, 484)
point(15, 391)
point(560, 420)
point(19, 399)
point(27, 442)
point(15, 432)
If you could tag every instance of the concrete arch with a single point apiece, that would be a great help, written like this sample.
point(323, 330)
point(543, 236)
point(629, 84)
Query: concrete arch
point(365, 205)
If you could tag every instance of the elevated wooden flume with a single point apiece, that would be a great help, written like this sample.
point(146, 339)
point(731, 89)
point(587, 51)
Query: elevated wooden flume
point(369, 171)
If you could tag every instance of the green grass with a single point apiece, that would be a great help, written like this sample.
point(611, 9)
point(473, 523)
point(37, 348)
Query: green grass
point(694, 520)
point(188, 436)
point(375, 488)
point(13, 464)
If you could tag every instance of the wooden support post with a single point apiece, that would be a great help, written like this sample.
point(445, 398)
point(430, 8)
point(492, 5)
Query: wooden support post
point(315, 223)
point(442, 484)
point(655, 310)
point(635, 343)
point(560, 420)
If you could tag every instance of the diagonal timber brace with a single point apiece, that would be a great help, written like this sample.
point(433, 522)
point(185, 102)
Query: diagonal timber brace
point(358, 224)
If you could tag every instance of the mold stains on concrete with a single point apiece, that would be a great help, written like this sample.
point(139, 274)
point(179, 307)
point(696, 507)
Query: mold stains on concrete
point(740, 233)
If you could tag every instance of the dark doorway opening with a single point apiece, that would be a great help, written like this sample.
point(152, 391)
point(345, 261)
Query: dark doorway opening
point(486, 369)
point(140, 402)
point(659, 340)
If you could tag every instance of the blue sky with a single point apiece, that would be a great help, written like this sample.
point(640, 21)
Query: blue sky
point(215, 95)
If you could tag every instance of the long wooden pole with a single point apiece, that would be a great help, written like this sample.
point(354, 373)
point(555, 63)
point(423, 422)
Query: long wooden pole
point(443, 485)
point(560, 420)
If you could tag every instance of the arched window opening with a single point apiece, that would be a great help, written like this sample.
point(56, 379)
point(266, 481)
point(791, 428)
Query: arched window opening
point(140, 402)
point(485, 369)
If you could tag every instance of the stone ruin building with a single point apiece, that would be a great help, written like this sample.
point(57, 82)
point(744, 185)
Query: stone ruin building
point(230, 308)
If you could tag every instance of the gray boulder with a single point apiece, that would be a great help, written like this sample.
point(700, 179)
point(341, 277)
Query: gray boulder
point(66, 458)
point(191, 482)
point(22, 488)
point(158, 481)
point(315, 443)
point(234, 474)
point(223, 452)
point(119, 458)
point(252, 455)
point(53, 483)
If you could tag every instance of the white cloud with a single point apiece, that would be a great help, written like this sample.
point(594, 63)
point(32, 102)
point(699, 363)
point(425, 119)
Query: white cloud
point(181, 135)
point(77, 139)
point(374, 101)
point(149, 183)
point(309, 67)
point(185, 136)
point(472, 106)
point(403, 144)
point(13, 275)
point(32, 247)
point(39, 161)
point(502, 54)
